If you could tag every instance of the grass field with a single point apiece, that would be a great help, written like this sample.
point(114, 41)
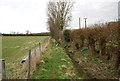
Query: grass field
point(15, 48)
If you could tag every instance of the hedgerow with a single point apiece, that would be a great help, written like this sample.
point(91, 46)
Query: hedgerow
point(101, 39)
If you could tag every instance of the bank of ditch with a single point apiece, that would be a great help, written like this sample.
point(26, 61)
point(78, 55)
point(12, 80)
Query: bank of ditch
point(90, 67)
point(55, 64)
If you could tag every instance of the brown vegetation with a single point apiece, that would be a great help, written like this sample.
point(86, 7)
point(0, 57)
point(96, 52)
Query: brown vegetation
point(101, 39)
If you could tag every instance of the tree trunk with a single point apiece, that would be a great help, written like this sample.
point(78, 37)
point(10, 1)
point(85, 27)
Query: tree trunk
point(77, 46)
point(82, 38)
point(102, 45)
point(92, 45)
point(81, 43)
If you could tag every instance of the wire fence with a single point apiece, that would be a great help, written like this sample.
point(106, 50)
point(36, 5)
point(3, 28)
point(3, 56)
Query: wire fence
point(29, 62)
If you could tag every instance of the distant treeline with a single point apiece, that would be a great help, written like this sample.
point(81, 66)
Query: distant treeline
point(32, 34)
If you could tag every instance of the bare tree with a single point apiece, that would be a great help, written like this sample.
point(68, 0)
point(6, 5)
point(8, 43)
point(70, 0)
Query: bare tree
point(28, 32)
point(58, 17)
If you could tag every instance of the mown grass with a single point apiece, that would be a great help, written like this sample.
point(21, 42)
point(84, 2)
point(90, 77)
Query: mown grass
point(55, 65)
point(14, 48)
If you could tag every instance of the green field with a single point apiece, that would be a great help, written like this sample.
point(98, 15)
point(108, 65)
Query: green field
point(14, 48)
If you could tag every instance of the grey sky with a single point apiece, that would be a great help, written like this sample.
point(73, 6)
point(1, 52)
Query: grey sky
point(96, 11)
point(22, 15)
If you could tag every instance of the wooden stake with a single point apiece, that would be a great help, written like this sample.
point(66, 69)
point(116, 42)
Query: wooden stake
point(39, 46)
point(29, 65)
point(3, 70)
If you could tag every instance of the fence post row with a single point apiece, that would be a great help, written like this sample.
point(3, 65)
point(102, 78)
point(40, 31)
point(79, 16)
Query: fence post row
point(29, 63)
point(3, 70)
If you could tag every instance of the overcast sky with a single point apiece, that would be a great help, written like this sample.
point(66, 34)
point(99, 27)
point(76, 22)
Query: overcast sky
point(22, 15)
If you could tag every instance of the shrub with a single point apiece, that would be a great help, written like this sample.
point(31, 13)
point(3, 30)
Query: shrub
point(66, 35)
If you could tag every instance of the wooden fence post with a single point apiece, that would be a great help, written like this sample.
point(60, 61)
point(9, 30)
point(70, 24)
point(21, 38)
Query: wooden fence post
point(39, 46)
point(3, 70)
point(35, 52)
point(29, 64)
point(35, 59)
